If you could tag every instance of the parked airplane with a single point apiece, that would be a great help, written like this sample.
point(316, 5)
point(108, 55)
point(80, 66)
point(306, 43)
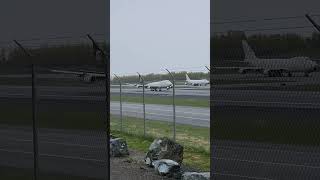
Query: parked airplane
point(157, 86)
point(275, 67)
point(201, 82)
point(85, 76)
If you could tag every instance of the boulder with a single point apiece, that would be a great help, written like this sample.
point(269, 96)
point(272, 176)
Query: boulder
point(167, 167)
point(196, 176)
point(118, 147)
point(164, 148)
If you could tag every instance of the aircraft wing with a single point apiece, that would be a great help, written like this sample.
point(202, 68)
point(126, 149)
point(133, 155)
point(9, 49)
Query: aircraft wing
point(236, 68)
point(67, 72)
point(227, 67)
point(95, 74)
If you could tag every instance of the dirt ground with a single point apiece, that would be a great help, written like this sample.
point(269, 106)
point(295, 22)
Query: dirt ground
point(133, 168)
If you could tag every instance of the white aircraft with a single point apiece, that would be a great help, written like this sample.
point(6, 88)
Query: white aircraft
point(85, 76)
point(201, 82)
point(157, 86)
point(275, 67)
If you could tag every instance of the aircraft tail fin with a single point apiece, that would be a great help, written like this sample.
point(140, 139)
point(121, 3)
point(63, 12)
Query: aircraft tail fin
point(248, 51)
point(187, 77)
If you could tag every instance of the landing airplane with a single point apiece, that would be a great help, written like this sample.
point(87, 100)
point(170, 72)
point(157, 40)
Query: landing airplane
point(202, 82)
point(157, 86)
point(85, 76)
point(275, 67)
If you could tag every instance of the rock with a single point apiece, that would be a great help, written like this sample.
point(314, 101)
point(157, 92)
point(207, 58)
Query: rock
point(196, 176)
point(167, 167)
point(112, 136)
point(164, 148)
point(118, 147)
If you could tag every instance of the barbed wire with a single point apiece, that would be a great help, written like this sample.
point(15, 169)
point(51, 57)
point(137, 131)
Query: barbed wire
point(263, 19)
point(56, 37)
point(267, 29)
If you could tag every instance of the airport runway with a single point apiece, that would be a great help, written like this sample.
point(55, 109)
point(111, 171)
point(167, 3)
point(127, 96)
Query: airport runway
point(183, 91)
point(260, 98)
point(82, 97)
point(184, 115)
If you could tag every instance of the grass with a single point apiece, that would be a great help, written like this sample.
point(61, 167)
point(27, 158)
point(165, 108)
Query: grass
point(192, 157)
point(196, 140)
point(195, 102)
point(10, 173)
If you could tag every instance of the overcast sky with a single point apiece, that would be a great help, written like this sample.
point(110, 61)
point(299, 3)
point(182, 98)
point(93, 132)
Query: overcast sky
point(234, 10)
point(27, 19)
point(150, 35)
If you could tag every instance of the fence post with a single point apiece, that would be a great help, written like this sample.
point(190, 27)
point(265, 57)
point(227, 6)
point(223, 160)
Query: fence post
point(144, 106)
point(34, 113)
point(313, 22)
point(173, 105)
point(120, 101)
point(106, 58)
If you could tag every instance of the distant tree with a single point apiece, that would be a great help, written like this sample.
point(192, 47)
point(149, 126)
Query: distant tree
point(179, 76)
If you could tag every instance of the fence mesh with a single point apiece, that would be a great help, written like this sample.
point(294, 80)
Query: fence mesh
point(16, 122)
point(70, 112)
point(264, 104)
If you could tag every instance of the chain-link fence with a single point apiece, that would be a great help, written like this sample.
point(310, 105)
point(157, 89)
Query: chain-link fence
point(180, 113)
point(54, 113)
point(265, 100)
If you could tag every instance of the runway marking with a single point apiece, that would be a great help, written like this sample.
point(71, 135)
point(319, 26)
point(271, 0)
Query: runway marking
point(269, 163)
point(56, 156)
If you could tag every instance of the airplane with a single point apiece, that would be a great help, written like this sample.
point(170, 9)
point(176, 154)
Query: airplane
point(86, 76)
point(275, 67)
point(202, 82)
point(157, 86)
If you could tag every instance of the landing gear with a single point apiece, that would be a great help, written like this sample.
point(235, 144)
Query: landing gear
point(275, 73)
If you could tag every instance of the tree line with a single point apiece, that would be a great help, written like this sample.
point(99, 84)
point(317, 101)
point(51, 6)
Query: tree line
point(62, 54)
point(228, 46)
point(179, 76)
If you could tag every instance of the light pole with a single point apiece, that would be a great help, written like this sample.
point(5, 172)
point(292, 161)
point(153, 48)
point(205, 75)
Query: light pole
point(173, 105)
point(143, 105)
point(34, 114)
point(119, 80)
